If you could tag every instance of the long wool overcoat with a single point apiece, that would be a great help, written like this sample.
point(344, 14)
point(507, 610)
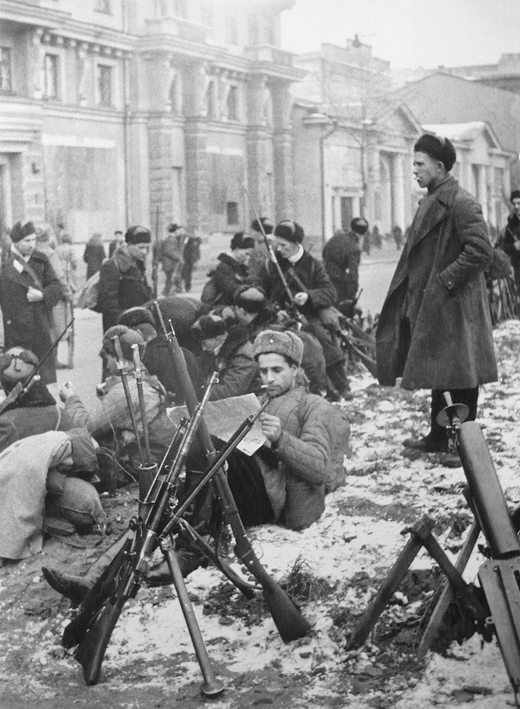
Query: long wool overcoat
point(29, 324)
point(440, 276)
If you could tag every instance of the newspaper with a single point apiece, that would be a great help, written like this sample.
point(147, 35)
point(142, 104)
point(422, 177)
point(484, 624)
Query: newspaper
point(223, 417)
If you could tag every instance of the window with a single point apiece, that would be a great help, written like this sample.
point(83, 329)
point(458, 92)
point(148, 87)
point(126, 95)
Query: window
point(104, 79)
point(5, 69)
point(51, 71)
point(232, 103)
point(103, 6)
point(232, 213)
point(210, 100)
point(271, 31)
point(232, 29)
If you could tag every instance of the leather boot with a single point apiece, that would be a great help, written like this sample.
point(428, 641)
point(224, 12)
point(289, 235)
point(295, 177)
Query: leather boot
point(75, 588)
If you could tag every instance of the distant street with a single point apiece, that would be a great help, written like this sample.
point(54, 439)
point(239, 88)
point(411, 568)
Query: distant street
point(375, 274)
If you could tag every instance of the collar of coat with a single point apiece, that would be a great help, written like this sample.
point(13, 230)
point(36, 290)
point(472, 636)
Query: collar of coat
point(124, 260)
point(441, 200)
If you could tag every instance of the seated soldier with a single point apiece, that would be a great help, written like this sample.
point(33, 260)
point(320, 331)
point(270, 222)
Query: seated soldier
point(229, 352)
point(284, 483)
point(35, 410)
point(307, 294)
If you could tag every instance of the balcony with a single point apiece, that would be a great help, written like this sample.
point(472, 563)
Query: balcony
point(267, 53)
point(176, 27)
point(273, 62)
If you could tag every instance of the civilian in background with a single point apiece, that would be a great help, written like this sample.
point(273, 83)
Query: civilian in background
point(94, 254)
point(29, 289)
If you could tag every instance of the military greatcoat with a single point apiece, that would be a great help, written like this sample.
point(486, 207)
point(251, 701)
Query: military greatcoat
point(439, 285)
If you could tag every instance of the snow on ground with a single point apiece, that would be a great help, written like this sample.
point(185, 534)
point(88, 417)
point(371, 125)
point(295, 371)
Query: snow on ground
point(351, 548)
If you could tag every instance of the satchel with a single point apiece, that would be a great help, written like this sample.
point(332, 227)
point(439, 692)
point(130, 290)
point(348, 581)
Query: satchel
point(87, 296)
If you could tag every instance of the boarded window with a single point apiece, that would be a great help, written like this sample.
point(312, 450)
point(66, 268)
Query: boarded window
point(105, 84)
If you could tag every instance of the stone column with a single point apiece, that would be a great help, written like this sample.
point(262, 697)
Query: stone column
point(283, 152)
point(195, 144)
point(36, 68)
point(257, 141)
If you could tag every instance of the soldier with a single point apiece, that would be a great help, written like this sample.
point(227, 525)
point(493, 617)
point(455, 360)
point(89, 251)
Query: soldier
point(434, 329)
point(511, 240)
point(308, 295)
point(341, 256)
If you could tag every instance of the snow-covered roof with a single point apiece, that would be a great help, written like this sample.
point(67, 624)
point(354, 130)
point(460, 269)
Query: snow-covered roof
point(463, 131)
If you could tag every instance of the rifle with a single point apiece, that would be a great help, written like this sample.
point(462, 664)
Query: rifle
point(147, 469)
point(335, 321)
point(20, 388)
point(286, 615)
point(155, 256)
point(134, 564)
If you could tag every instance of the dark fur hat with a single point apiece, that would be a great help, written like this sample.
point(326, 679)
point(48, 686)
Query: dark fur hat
point(267, 224)
point(437, 148)
point(359, 225)
point(209, 326)
point(290, 231)
point(515, 194)
point(241, 241)
point(138, 235)
point(19, 231)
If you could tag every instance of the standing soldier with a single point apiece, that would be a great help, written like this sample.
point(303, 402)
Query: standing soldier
point(434, 329)
point(190, 256)
point(341, 256)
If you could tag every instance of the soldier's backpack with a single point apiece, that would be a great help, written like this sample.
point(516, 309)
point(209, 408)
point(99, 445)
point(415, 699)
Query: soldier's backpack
point(87, 296)
point(210, 295)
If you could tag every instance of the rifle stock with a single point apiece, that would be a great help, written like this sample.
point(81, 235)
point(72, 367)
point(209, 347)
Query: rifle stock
point(287, 617)
point(101, 612)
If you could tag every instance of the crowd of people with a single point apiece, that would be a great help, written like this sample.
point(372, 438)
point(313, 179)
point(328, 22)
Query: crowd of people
point(267, 323)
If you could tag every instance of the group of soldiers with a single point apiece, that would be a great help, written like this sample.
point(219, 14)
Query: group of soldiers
point(267, 328)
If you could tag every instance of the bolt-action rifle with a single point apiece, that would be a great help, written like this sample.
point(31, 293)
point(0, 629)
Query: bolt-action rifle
point(291, 306)
point(133, 564)
point(21, 388)
point(286, 615)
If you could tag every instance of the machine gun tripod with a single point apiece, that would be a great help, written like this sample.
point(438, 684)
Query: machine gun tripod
point(499, 576)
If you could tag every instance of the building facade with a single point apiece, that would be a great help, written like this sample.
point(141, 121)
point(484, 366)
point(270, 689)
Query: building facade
point(117, 112)
point(353, 142)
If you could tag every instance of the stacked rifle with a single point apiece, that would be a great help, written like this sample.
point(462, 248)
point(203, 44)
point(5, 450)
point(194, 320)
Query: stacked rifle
point(161, 518)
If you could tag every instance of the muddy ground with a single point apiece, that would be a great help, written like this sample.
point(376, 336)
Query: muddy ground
point(337, 565)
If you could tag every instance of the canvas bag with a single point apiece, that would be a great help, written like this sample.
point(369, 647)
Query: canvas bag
point(87, 296)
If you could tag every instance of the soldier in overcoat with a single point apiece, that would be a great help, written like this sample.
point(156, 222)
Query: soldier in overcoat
point(435, 330)
point(29, 289)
